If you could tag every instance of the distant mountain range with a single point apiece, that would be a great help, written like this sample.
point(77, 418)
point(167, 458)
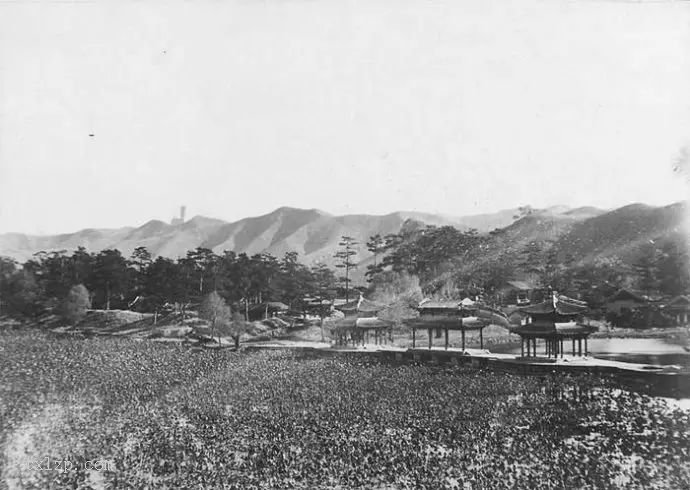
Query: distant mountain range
point(312, 233)
point(584, 232)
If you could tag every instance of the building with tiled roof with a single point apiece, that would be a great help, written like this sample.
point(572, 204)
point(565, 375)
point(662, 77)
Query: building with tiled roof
point(554, 321)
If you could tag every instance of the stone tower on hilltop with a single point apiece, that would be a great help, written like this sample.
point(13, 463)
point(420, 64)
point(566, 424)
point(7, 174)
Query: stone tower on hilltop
point(180, 220)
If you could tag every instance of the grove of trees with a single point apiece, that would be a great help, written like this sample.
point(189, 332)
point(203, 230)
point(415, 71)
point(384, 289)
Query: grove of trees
point(418, 261)
point(139, 282)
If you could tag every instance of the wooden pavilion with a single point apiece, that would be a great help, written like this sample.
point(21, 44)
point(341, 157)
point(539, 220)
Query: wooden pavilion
point(454, 315)
point(555, 321)
point(360, 322)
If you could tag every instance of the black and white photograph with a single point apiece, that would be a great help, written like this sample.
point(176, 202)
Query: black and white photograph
point(345, 244)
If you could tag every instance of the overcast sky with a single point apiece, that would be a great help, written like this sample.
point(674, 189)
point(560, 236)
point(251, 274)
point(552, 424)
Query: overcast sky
point(351, 106)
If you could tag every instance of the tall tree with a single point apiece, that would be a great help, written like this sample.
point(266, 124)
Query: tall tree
point(52, 271)
point(345, 260)
point(110, 276)
point(82, 266)
point(216, 311)
point(235, 327)
point(8, 268)
point(74, 306)
point(203, 264)
point(291, 285)
point(24, 295)
point(163, 284)
point(140, 261)
point(376, 245)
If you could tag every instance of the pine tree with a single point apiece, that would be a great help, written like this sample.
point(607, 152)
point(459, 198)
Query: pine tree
point(348, 250)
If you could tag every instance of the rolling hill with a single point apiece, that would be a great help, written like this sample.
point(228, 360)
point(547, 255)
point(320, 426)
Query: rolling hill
point(583, 233)
point(312, 233)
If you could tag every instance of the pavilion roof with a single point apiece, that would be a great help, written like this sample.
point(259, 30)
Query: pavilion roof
point(451, 322)
point(270, 305)
point(626, 294)
point(361, 305)
point(493, 316)
point(680, 300)
point(373, 322)
point(447, 304)
point(364, 323)
point(521, 285)
point(559, 304)
point(546, 329)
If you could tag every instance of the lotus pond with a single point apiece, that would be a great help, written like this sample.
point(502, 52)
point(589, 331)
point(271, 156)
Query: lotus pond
point(166, 416)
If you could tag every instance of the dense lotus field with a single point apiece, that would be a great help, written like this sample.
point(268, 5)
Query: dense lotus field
point(165, 416)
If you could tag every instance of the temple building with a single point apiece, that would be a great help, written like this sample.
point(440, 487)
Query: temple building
point(625, 300)
point(679, 309)
point(361, 322)
point(554, 321)
point(454, 315)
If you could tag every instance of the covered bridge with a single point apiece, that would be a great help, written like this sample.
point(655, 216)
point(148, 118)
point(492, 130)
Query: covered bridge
point(454, 315)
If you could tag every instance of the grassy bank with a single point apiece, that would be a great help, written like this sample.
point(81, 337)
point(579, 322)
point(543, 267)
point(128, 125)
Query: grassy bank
point(170, 417)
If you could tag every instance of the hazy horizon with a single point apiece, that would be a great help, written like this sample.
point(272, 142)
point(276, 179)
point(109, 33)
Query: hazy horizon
point(189, 217)
point(115, 113)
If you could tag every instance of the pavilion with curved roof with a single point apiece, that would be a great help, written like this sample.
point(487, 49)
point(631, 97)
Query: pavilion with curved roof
point(360, 321)
point(556, 320)
point(449, 315)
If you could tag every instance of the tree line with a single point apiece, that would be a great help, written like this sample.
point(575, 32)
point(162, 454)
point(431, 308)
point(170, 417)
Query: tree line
point(454, 263)
point(142, 283)
point(439, 261)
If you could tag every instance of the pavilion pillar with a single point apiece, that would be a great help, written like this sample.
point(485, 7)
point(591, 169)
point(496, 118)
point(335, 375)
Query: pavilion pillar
point(573, 346)
point(414, 335)
point(481, 338)
point(446, 331)
point(522, 347)
point(579, 347)
point(586, 349)
point(534, 346)
point(430, 333)
point(463, 338)
point(561, 348)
